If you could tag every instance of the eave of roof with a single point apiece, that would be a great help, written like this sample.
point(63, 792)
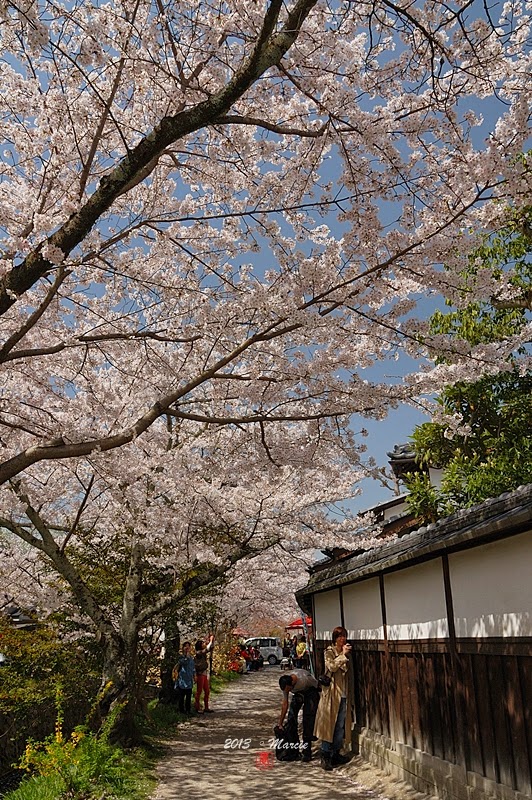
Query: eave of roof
point(492, 519)
point(396, 500)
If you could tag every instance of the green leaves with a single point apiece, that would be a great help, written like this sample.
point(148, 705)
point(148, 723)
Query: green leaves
point(505, 253)
point(483, 442)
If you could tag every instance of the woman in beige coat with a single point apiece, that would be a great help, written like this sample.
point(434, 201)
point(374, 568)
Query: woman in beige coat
point(334, 709)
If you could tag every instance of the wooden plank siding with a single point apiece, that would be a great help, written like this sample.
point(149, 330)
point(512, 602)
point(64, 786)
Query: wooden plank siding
point(473, 752)
point(409, 694)
point(513, 704)
point(524, 666)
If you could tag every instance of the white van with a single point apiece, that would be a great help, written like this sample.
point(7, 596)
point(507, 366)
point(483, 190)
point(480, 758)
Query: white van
point(269, 648)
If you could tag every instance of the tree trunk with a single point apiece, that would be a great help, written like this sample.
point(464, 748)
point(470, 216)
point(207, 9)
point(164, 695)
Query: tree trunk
point(172, 643)
point(120, 699)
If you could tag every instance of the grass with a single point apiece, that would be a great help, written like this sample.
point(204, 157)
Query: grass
point(219, 681)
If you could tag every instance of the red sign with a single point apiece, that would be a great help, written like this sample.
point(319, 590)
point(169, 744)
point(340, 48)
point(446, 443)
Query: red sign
point(265, 760)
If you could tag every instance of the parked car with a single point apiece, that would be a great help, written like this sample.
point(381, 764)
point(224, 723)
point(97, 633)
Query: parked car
point(269, 648)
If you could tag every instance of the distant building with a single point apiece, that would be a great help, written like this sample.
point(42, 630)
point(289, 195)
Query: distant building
point(403, 460)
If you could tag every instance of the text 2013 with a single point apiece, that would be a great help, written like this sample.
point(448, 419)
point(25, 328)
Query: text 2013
point(237, 744)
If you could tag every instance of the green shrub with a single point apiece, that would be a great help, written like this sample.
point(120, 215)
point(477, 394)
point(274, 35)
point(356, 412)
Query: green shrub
point(50, 787)
point(38, 662)
point(82, 766)
point(125, 776)
point(85, 766)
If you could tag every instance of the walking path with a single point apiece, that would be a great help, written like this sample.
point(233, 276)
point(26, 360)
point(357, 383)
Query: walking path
point(227, 755)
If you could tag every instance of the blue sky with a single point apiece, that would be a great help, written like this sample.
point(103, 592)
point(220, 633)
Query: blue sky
point(383, 435)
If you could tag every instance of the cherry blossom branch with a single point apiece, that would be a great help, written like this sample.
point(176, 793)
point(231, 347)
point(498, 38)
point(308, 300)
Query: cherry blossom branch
point(236, 119)
point(78, 514)
point(47, 545)
point(195, 579)
point(268, 50)
point(255, 418)
point(524, 302)
point(84, 597)
point(85, 339)
point(132, 619)
point(60, 450)
point(15, 427)
point(276, 330)
point(171, 217)
point(107, 106)
point(34, 317)
point(265, 444)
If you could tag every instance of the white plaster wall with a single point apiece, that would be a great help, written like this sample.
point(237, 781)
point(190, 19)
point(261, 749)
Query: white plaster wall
point(415, 602)
point(362, 610)
point(394, 511)
point(492, 588)
point(436, 476)
point(326, 613)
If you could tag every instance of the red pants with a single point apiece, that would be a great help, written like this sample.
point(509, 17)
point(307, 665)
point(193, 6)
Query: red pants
point(202, 685)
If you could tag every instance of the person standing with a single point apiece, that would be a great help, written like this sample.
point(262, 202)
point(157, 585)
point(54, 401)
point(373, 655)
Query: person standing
point(301, 653)
point(334, 711)
point(185, 670)
point(201, 664)
point(304, 689)
point(293, 648)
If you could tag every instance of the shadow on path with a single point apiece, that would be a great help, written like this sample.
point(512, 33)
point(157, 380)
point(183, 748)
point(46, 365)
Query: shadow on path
point(228, 755)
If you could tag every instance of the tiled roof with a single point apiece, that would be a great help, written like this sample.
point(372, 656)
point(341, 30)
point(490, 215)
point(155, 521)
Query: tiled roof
point(493, 519)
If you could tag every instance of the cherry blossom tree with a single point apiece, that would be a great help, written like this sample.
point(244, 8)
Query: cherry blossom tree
point(217, 218)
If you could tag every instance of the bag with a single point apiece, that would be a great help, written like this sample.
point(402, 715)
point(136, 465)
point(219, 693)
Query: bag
point(325, 679)
point(286, 744)
point(200, 663)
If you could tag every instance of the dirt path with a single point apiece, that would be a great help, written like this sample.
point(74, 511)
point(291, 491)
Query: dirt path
point(227, 755)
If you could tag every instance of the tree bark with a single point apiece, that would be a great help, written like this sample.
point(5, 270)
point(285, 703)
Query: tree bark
point(172, 644)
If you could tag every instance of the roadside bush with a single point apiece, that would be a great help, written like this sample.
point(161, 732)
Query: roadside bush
point(85, 766)
point(38, 662)
point(82, 766)
point(85, 769)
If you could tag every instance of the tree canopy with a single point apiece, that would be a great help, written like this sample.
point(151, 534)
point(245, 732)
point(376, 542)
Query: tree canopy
point(217, 218)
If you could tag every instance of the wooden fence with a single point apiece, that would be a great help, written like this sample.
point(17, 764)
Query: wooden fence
point(469, 705)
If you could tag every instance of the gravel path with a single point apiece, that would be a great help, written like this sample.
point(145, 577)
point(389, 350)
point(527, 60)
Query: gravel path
point(227, 755)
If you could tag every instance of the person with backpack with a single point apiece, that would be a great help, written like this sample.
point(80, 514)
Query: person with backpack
point(183, 675)
point(201, 664)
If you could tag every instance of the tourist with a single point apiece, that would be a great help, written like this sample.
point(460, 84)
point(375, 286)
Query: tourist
point(334, 710)
point(301, 653)
point(304, 689)
point(201, 663)
point(184, 670)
